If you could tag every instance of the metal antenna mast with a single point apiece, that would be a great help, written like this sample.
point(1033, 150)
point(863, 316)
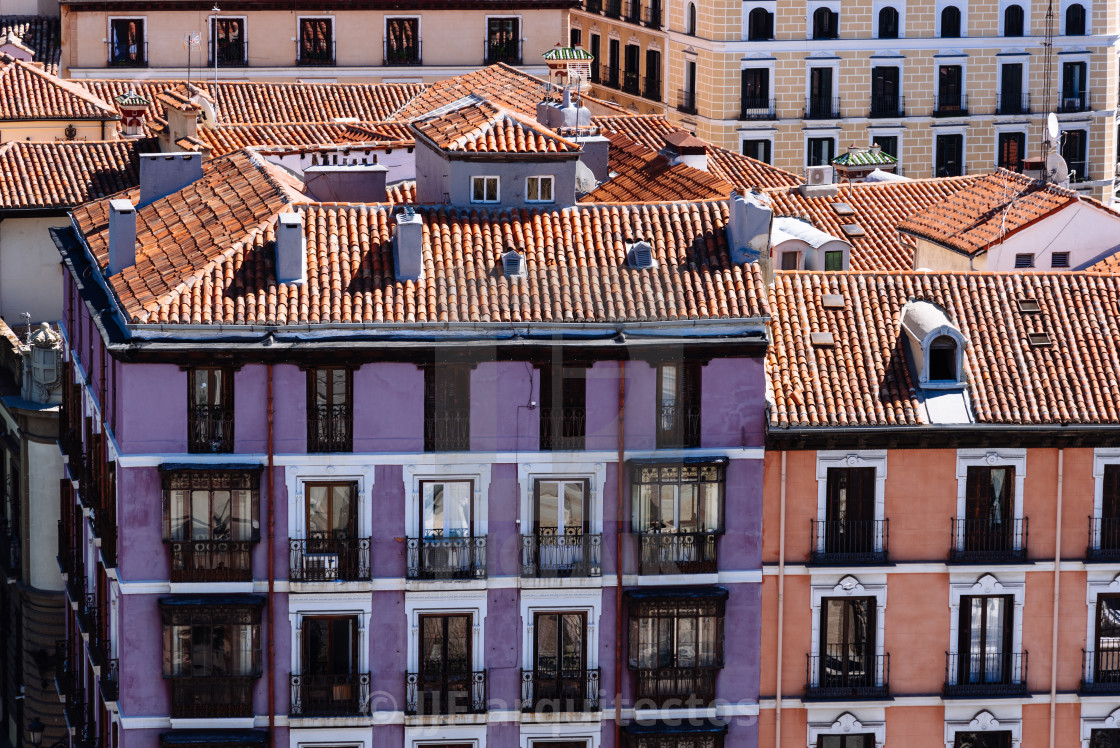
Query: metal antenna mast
point(1047, 72)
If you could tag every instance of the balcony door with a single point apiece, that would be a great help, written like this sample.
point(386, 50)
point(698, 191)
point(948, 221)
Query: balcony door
point(560, 525)
point(1011, 88)
point(330, 663)
point(613, 48)
point(884, 91)
point(755, 92)
point(445, 664)
point(1106, 657)
point(127, 42)
point(210, 416)
point(503, 41)
point(949, 158)
point(988, 509)
point(950, 87)
point(820, 92)
point(1074, 148)
point(985, 648)
point(228, 41)
point(447, 407)
point(563, 407)
point(559, 658)
point(850, 511)
point(1012, 146)
point(332, 529)
point(1073, 86)
point(847, 655)
point(1110, 509)
point(678, 400)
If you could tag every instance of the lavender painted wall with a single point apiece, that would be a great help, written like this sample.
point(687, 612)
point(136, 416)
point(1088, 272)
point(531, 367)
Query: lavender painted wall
point(144, 692)
point(389, 408)
point(497, 391)
point(732, 403)
point(153, 408)
point(142, 555)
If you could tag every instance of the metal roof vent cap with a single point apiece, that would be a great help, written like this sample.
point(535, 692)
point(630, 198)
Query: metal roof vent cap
point(640, 256)
point(513, 264)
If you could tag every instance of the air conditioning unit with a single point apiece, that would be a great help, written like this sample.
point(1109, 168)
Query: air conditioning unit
point(321, 565)
point(816, 175)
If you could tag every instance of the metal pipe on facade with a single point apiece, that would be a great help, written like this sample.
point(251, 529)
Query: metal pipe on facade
point(618, 557)
point(271, 569)
point(781, 605)
point(1057, 591)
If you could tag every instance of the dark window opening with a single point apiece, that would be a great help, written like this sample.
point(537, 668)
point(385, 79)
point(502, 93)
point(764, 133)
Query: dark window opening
point(846, 660)
point(690, 21)
point(446, 683)
point(1012, 145)
point(1074, 149)
point(821, 152)
point(563, 415)
point(995, 739)
point(316, 41)
point(757, 149)
point(943, 359)
point(1013, 20)
point(210, 415)
point(950, 156)
point(127, 46)
point(888, 144)
point(228, 41)
point(865, 740)
point(594, 43)
point(984, 649)
point(330, 417)
point(402, 41)
point(503, 41)
point(447, 408)
point(760, 25)
point(950, 22)
point(678, 405)
point(826, 24)
point(888, 23)
point(1075, 20)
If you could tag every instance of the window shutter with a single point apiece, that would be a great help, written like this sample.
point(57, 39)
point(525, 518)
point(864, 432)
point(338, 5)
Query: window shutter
point(975, 501)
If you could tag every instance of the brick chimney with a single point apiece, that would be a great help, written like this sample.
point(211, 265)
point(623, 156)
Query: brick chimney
point(122, 235)
point(683, 147)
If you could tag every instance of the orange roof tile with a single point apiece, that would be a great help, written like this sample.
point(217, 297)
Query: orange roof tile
point(42, 34)
point(484, 128)
point(66, 173)
point(28, 93)
point(642, 174)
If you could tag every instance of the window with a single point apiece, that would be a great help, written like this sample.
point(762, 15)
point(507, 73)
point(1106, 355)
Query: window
point(1011, 97)
point(678, 405)
point(560, 680)
point(1075, 96)
point(538, 190)
point(820, 152)
point(760, 25)
point(1074, 147)
point(1107, 738)
point(561, 544)
point(688, 94)
point(850, 531)
point(594, 51)
point(402, 41)
point(447, 509)
point(1013, 20)
point(791, 260)
point(988, 529)
point(210, 413)
point(1075, 20)
point(447, 414)
point(834, 260)
point(950, 90)
point(1059, 260)
point(1024, 260)
point(949, 157)
point(674, 736)
point(613, 63)
point(676, 647)
point(446, 683)
point(1010, 150)
point(316, 41)
point(866, 740)
point(950, 22)
point(331, 549)
point(447, 547)
point(329, 683)
point(758, 149)
point(826, 24)
point(329, 413)
point(1109, 521)
point(994, 739)
point(754, 94)
point(210, 520)
point(503, 41)
point(846, 660)
point(690, 20)
point(653, 75)
point(678, 512)
point(821, 104)
point(575, 38)
point(885, 101)
point(1106, 648)
point(888, 144)
point(631, 77)
point(227, 41)
point(563, 392)
point(128, 46)
point(484, 189)
point(984, 651)
point(943, 359)
point(888, 23)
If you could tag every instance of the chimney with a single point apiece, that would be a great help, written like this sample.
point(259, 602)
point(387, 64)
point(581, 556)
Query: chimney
point(748, 229)
point(683, 147)
point(132, 107)
point(122, 235)
point(355, 183)
point(595, 155)
point(408, 245)
point(164, 173)
point(291, 249)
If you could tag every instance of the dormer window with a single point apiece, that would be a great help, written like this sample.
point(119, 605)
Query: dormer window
point(943, 359)
point(484, 189)
point(936, 345)
point(640, 256)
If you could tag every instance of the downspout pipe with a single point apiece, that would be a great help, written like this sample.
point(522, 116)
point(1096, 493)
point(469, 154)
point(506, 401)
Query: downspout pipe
point(781, 605)
point(270, 621)
point(1057, 592)
point(618, 556)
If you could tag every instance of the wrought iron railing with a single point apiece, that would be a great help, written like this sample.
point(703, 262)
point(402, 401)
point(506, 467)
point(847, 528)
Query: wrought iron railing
point(887, 105)
point(548, 554)
point(679, 553)
point(331, 695)
point(311, 56)
point(840, 675)
point(212, 696)
point(631, 82)
point(846, 541)
point(651, 87)
point(63, 671)
point(504, 50)
point(233, 54)
point(1074, 101)
point(447, 431)
point(950, 105)
point(330, 429)
point(545, 690)
point(983, 674)
point(822, 107)
point(110, 680)
point(128, 56)
point(613, 9)
point(445, 693)
point(756, 108)
point(1013, 104)
point(563, 428)
point(678, 426)
point(987, 540)
point(1104, 539)
point(1100, 671)
point(652, 15)
point(610, 76)
point(686, 101)
point(634, 11)
point(675, 687)
point(329, 558)
point(211, 560)
point(210, 429)
point(404, 54)
point(447, 558)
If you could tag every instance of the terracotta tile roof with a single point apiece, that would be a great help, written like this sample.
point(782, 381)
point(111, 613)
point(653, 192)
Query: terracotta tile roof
point(403, 193)
point(484, 128)
point(28, 93)
point(1110, 264)
point(742, 172)
point(65, 174)
point(864, 380)
point(644, 175)
point(224, 139)
point(877, 208)
point(42, 34)
point(992, 207)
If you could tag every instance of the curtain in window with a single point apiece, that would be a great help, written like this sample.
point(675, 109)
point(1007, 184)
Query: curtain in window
point(447, 509)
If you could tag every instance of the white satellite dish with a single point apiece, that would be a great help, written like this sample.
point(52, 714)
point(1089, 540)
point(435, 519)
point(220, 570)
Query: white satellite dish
point(1052, 130)
point(1057, 170)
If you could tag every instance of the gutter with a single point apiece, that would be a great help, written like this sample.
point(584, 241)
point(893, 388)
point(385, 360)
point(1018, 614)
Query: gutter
point(1057, 590)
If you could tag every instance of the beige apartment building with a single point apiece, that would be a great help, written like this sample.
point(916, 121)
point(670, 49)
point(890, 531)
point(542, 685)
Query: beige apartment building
point(360, 40)
point(948, 86)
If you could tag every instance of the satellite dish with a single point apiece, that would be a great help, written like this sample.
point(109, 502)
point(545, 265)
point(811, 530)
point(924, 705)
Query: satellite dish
point(1052, 130)
point(1057, 171)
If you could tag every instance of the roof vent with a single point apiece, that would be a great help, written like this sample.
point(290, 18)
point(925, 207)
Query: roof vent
point(832, 301)
point(1039, 339)
point(853, 229)
point(513, 264)
point(1028, 305)
point(408, 245)
point(822, 339)
point(843, 209)
point(1024, 261)
point(640, 256)
point(1059, 260)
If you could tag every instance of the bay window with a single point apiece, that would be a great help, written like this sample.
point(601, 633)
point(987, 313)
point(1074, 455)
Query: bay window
point(676, 645)
point(678, 514)
point(210, 520)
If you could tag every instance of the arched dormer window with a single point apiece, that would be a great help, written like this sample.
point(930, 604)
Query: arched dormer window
point(1013, 20)
point(1075, 20)
point(936, 345)
point(826, 24)
point(950, 22)
point(943, 359)
point(888, 23)
point(760, 25)
point(690, 20)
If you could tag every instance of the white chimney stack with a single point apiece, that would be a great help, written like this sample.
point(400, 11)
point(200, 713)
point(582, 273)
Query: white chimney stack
point(122, 235)
point(291, 249)
point(164, 173)
point(408, 245)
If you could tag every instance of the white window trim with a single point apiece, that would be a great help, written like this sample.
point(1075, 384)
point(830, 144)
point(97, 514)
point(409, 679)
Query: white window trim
point(552, 189)
point(414, 474)
point(1008, 128)
point(1016, 458)
point(498, 189)
point(595, 473)
point(1025, 82)
point(768, 135)
point(829, 586)
point(1088, 724)
point(962, 6)
point(985, 721)
point(892, 62)
point(898, 133)
point(818, 61)
point(298, 38)
point(900, 6)
point(439, 735)
point(840, 459)
point(535, 735)
point(1097, 584)
point(143, 38)
point(963, 584)
point(1087, 4)
point(961, 130)
point(296, 478)
point(771, 6)
point(811, 7)
point(1101, 456)
point(587, 601)
point(833, 133)
point(847, 723)
point(306, 606)
point(1026, 6)
point(447, 602)
point(331, 737)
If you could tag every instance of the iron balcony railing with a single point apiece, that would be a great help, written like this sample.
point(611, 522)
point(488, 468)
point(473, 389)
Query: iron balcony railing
point(10, 555)
point(847, 541)
point(1104, 539)
point(756, 108)
point(549, 690)
point(1078, 170)
point(405, 54)
point(678, 427)
point(822, 107)
point(330, 695)
point(651, 88)
point(548, 554)
point(447, 431)
point(74, 711)
point(231, 54)
point(950, 105)
point(987, 540)
point(1101, 672)
point(1013, 104)
point(63, 670)
point(652, 15)
point(329, 558)
point(321, 56)
point(686, 101)
point(211, 560)
point(631, 83)
point(613, 8)
point(507, 51)
point(678, 552)
point(447, 558)
point(110, 680)
point(1074, 101)
point(610, 76)
point(675, 687)
point(634, 11)
point(65, 554)
point(331, 429)
point(445, 693)
point(128, 56)
point(839, 675)
point(212, 696)
point(887, 105)
point(983, 674)
point(563, 428)
point(210, 428)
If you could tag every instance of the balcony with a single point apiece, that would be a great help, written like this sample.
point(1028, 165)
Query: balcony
point(340, 695)
point(1104, 539)
point(675, 687)
point(651, 88)
point(1101, 672)
point(445, 693)
point(230, 54)
point(652, 15)
point(110, 681)
point(128, 56)
point(447, 558)
point(950, 105)
point(678, 553)
point(1074, 101)
point(212, 696)
point(1015, 104)
point(508, 52)
point(64, 682)
point(560, 690)
point(74, 711)
point(402, 55)
point(848, 542)
point(211, 560)
point(613, 9)
point(563, 428)
point(330, 429)
point(678, 427)
point(548, 555)
point(609, 76)
point(631, 83)
point(822, 107)
point(756, 108)
point(887, 105)
point(210, 429)
point(840, 676)
point(634, 11)
point(312, 57)
point(686, 102)
point(988, 541)
point(447, 431)
point(984, 675)
point(329, 559)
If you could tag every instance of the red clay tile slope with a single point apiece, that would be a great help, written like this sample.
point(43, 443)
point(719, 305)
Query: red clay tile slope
point(42, 34)
point(224, 139)
point(28, 93)
point(863, 380)
point(644, 175)
point(65, 174)
point(483, 128)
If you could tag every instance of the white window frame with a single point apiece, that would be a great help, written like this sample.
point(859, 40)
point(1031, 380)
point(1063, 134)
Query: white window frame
point(898, 133)
point(961, 130)
point(847, 586)
point(551, 188)
point(891, 61)
point(767, 135)
point(447, 602)
point(423, 736)
point(1004, 128)
point(1026, 6)
point(231, 17)
point(414, 474)
point(539, 734)
point(965, 584)
point(842, 459)
point(848, 723)
point(1101, 456)
point(771, 6)
point(811, 7)
point(1097, 583)
point(144, 36)
point(587, 601)
point(900, 6)
point(962, 6)
point(503, 16)
point(296, 478)
point(830, 132)
point(1014, 457)
point(309, 606)
point(1111, 721)
point(497, 189)
point(817, 60)
point(595, 473)
point(984, 721)
point(1013, 59)
point(1088, 5)
point(299, 33)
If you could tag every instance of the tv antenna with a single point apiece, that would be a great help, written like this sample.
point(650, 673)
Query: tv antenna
point(1049, 133)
